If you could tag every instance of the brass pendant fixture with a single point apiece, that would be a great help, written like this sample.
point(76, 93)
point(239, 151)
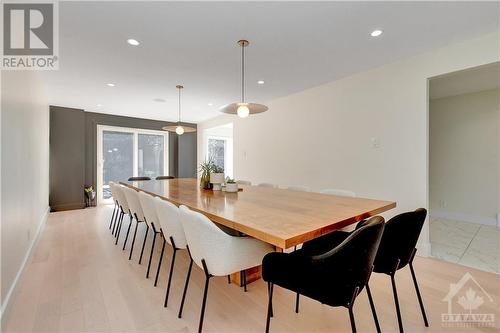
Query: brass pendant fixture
point(179, 129)
point(243, 108)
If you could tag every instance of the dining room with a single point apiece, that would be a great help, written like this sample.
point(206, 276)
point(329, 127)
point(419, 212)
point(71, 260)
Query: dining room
point(176, 166)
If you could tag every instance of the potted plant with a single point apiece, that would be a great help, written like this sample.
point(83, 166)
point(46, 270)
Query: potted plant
point(217, 177)
point(89, 195)
point(205, 170)
point(231, 185)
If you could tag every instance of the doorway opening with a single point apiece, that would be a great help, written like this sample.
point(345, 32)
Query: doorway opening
point(464, 167)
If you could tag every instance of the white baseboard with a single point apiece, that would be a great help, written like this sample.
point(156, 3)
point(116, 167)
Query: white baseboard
point(424, 249)
point(465, 217)
point(12, 288)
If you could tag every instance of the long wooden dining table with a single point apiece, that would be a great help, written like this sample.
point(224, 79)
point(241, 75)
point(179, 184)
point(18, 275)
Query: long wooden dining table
point(283, 218)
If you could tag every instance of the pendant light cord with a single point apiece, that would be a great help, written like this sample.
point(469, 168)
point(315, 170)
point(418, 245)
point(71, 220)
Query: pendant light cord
point(179, 121)
point(243, 73)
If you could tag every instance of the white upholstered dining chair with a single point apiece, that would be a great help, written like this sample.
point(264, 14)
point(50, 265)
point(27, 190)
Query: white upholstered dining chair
point(135, 208)
point(119, 196)
point(151, 219)
point(173, 234)
point(216, 252)
point(298, 188)
point(267, 185)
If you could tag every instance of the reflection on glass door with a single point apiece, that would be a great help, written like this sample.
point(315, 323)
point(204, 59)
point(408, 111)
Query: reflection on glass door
point(126, 152)
point(151, 159)
point(117, 157)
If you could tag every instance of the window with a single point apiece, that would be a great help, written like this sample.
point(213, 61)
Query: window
point(126, 152)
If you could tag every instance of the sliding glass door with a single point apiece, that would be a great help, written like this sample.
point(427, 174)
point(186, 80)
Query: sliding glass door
point(126, 152)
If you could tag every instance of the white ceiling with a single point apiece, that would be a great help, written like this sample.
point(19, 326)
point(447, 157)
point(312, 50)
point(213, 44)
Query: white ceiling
point(294, 46)
point(468, 81)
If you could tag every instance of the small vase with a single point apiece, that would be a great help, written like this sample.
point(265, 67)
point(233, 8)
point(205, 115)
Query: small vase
point(232, 187)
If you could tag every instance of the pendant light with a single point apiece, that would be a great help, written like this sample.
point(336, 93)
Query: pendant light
point(243, 108)
point(179, 129)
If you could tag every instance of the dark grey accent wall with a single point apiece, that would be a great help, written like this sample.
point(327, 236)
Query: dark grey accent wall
point(182, 152)
point(67, 158)
point(187, 155)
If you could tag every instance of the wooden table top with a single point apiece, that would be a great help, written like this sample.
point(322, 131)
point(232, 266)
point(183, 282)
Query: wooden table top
point(279, 217)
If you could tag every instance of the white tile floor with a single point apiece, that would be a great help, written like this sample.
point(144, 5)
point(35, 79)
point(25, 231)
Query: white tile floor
point(468, 244)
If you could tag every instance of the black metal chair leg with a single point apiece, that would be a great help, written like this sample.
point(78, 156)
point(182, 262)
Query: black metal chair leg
point(119, 228)
point(244, 280)
point(297, 297)
point(160, 261)
point(372, 306)
point(170, 276)
point(396, 301)
point(269, 305)
point(418, 294)
point(120, 218)
point(112, 217)
point(126, 237)
point(144, 243)
point(151, 255)
point(351, 317)
point(133, 241)
point(185, 288)
point(205, 294)
point(229, 279)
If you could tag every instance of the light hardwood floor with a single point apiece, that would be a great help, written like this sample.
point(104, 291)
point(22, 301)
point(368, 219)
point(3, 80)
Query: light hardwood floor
point(77, 280)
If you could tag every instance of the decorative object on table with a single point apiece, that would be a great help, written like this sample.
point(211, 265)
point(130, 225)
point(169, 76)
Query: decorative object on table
point(231, 185)
point(217, 177)
point(89, 195)
point(179, 129)
point(243, 108)
point(205, 170)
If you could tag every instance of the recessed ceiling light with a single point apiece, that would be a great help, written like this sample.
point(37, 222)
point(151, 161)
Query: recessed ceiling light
point(110, 84)
point(376, 33)
point(210, 104)
point(159, 100)
point(99, 105)
point(133, 42)
point(260, 82)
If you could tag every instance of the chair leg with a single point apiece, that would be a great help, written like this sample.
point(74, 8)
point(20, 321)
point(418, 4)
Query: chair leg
point(185, 287)
point(115, 232)
point(243, 275)
point(170, 277)
point(372, 306)
point(418, 294)
point(297, 297)
point(351, 313)
point(114, 221)
point(269, 305)
point(126, 237)
point(160, 261)
point(119, 228)
point(396, 301)
point(351, 317)
point(205, 294)
point(144, 243)
point(133, 240)
point(151, 255)
point(229, 279)
point(112, 217)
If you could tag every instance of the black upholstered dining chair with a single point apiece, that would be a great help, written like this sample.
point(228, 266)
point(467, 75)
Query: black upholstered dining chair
point(397, 249)
point(164, 177)
point(133, 179)
point(335, 277)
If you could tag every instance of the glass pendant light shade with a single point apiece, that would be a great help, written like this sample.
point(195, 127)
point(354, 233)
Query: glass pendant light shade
point(243, 109)
point(178, 128)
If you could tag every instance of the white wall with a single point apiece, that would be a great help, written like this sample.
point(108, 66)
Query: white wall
point(24, 171)
point(464, 156)
point(321, 137)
